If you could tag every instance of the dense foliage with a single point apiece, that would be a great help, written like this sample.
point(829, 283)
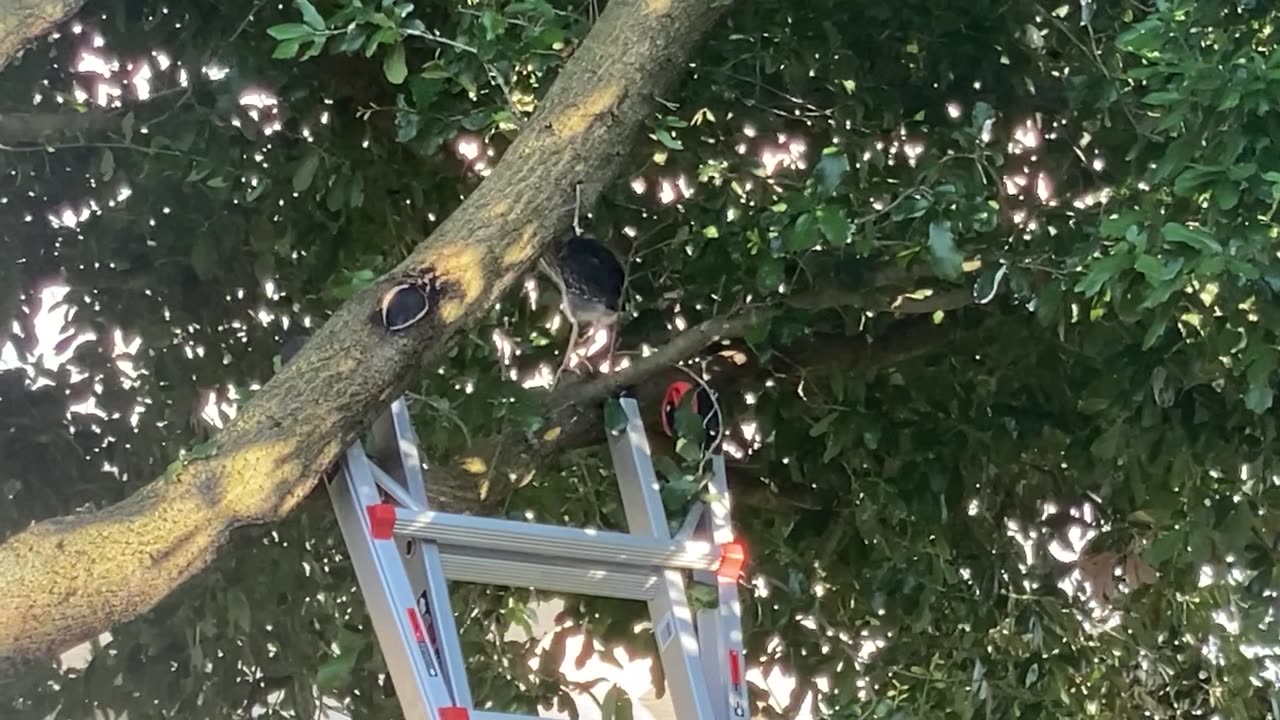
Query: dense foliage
point(1081, 195)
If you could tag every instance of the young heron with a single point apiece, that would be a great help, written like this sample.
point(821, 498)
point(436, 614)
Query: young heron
point(590, 279)
point(590, 282)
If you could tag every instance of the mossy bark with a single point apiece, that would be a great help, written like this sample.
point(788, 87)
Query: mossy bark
point(68, 579)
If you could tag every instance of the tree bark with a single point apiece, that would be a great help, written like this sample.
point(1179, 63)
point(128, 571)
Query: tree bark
point(69, 579)
point(23, 21)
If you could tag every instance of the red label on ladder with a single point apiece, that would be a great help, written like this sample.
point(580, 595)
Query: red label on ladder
point(735, 678)
point(420, 637)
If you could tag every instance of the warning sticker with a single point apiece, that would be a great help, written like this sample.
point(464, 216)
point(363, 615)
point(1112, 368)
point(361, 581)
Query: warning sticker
point(666, 631)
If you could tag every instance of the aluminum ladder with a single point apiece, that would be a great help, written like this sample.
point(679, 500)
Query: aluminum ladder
point(404, 554)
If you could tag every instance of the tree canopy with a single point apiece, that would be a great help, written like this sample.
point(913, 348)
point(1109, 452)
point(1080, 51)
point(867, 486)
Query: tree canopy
point(987, 291)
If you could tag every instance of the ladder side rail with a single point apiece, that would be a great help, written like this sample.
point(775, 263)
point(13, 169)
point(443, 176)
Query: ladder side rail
point(731, 679)
point(711, 642)
point(673, 623)
point(386, 591)
point(422, 560)
point(396, 491)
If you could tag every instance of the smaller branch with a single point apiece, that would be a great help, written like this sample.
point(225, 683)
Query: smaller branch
point(247, 19)
point(110, 145)
point(680, 348)
point(440, 39)
point(935, 300)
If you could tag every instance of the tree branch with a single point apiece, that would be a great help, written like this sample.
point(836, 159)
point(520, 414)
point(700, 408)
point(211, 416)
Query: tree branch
point(485, 474)
point(23, 21)
point(133, 554)
point(42, 127)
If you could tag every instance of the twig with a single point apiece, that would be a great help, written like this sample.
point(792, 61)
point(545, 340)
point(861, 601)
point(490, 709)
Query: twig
point(245, 23)
point(69, 146)
point(437, 38)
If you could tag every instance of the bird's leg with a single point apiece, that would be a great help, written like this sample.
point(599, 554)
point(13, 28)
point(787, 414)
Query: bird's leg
point(568, 353)
point(611, 336)
point(613, 346)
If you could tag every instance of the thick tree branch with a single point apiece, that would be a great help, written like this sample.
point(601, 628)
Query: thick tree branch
point(22, 128)
point(23, 21)
point(485, 474)
point(131, 555)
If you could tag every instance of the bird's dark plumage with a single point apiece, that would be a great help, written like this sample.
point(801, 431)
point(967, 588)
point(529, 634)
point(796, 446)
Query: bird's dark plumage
point(592, 277)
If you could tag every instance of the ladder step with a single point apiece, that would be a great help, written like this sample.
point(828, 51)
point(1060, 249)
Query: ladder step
point(489, 715)
point(512, 536)
point(482, 567)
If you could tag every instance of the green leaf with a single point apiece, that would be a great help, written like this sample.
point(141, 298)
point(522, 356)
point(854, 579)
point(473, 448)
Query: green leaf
point(1100, 271)
point(1258, 398)
point(238, 611)
point(204, 256)
point(1192, 237)
point(982, 113)
point(1143, 37)
point(803, 235)
point(831, 170)
point(107, 164)
point(664, 136)
point(407, 125)
point(306, 172)
point(1117, 226)
point(1227, 194)
point(336, 197)
point(912, 206)
point(493, 24)
point(1156, 271)
point(835, 226)
point(944, 255)
point(1154, 332)
point(425, 89)
point(1165, 547)
point(822, 425)
point(1049, 303)
point(1163, 97)
point(393, 65)
point(616, 705)
point(310, 16)
point(1262, 363)
point(289, 31)
point(287, 49)
point(477, 120)
point(680, 487)
point(615, 418)
point(1190, 181)
point(770, 275)
point(317, 44)
point(1108, 445)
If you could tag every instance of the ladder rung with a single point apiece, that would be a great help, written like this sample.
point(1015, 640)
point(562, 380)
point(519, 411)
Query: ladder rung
point(512, 536)
point(476, 566)
point(490, 715)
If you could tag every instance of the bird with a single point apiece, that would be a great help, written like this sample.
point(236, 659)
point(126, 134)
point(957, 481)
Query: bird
point(590, 279)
